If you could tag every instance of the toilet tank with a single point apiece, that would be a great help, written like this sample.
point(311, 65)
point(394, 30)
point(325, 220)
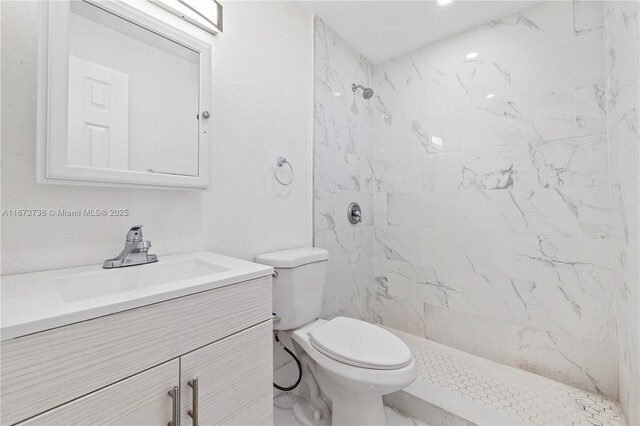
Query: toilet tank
point(299, 285)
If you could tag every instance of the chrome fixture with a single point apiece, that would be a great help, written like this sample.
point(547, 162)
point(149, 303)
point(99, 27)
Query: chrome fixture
point(135, 251)
point(193, 413)
point(174, 393)
point(275, 319)
point(205, 14)
point(281, 161)
point(367, 93)
point(354, 214)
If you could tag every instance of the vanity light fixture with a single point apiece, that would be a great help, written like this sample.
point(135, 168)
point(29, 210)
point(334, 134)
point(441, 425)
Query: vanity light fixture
point(472, 55)
point(444, 2)
point(205, 14)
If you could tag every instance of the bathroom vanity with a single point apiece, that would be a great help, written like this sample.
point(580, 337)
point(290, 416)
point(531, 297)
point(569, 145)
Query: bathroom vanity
point(186, 340)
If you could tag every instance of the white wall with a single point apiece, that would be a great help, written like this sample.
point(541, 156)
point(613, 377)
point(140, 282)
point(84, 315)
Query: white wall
point(622, 24)
point(262, 86)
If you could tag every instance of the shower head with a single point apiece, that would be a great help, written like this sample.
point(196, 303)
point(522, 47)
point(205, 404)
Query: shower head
point(367, 93)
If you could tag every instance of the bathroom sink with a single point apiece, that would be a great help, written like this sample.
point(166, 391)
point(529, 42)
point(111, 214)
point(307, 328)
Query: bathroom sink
point(38, 301)
point(88, 285)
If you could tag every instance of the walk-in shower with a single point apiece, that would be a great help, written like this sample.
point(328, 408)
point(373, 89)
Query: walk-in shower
point(477, 166)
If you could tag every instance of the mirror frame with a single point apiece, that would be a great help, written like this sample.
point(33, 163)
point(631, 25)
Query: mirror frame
point(53, 92)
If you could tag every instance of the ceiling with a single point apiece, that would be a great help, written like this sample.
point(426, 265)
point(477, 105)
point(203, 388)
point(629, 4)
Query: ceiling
point(381, 30)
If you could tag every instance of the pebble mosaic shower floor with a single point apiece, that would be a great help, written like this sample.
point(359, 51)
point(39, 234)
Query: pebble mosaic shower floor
point(485, 392)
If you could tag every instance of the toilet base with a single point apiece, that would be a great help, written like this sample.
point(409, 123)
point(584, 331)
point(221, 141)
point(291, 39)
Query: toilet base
point(355, 393)
point(353, 408)
point(305, 414)
point(363, 411)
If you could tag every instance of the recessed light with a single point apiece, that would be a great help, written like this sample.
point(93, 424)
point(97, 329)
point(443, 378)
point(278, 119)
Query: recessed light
point(444, 2)
point(337, 94)
point(472, 55)
point(437, 142)
point(491, 95)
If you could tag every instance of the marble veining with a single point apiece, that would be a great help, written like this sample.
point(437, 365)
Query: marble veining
point(622, 22)
point(493, 182)
point(343, 172)
point(503, 191)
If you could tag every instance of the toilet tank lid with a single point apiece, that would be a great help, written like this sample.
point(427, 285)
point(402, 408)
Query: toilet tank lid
point(293, 258)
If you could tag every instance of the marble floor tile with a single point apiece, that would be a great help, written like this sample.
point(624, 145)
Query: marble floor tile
point(283, 416)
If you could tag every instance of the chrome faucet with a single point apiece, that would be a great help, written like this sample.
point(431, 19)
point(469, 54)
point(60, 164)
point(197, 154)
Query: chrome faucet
point(135, 251)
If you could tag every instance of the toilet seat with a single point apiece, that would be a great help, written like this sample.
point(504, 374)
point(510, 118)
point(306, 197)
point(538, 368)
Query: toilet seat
point(337, 377)
point(361, 344)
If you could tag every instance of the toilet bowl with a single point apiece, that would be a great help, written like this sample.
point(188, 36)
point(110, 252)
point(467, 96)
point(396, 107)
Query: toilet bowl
point(352, 363)
point(357, 363)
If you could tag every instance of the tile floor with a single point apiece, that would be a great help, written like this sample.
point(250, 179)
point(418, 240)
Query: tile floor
point(485, 392)
point(283, 416)
point(455, 388)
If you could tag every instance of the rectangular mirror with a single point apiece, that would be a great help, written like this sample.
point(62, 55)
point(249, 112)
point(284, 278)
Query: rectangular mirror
point(126, 98)
point(133, 96)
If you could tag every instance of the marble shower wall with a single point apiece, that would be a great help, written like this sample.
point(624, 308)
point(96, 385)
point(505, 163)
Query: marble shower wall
point(342, 142)
point(623, 97)
point(492, 194)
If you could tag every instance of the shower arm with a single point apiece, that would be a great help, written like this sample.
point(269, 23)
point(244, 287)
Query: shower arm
point(367, 92)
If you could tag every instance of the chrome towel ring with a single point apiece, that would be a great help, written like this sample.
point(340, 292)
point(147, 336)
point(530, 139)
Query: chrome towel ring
point(281, 161)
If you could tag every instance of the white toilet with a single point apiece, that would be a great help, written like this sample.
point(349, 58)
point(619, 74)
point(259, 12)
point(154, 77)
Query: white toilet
point(353, 362)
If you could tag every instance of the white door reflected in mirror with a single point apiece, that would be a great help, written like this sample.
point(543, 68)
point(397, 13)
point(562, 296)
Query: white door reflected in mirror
point(98, 115)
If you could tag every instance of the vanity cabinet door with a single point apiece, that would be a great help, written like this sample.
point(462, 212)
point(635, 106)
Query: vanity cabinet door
point(234, 380)
point(142, 399)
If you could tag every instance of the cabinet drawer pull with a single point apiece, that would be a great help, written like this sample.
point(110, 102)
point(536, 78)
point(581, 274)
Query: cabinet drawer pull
point(193, 413)
point(175, 406)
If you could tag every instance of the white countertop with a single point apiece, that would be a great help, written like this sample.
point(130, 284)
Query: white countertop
point(43, 300)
